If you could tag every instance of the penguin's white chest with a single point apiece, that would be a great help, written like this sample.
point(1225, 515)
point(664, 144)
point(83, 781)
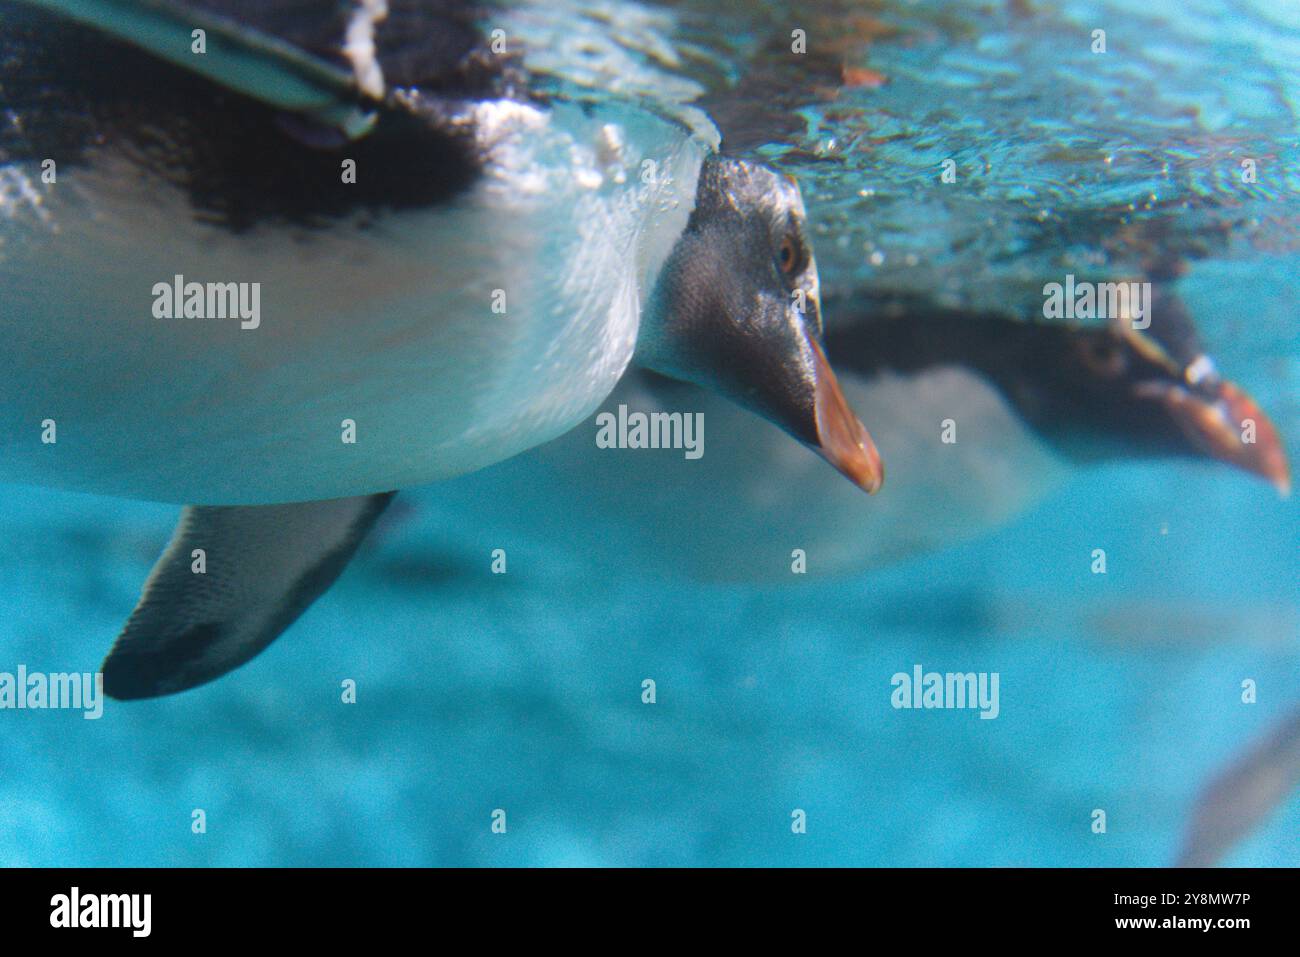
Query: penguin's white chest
point(426, 345)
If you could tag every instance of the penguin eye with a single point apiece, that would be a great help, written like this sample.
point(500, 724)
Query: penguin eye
point(787, 257)
point(1104, 357)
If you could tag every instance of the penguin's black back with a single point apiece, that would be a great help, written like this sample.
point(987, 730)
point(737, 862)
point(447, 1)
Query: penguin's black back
point(75, 95)
point(424, 43)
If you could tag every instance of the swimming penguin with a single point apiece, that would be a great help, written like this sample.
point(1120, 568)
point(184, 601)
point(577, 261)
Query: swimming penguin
point(277, 260)
point(980, 415)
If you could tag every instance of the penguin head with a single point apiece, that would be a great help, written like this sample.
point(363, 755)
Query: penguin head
point(736, 309)
point(1118, 391)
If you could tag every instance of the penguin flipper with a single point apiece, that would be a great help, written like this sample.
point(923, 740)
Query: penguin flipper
point(1243, 795)
point(263, 565)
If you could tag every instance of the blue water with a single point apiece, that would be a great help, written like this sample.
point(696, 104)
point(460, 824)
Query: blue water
point(523, 691)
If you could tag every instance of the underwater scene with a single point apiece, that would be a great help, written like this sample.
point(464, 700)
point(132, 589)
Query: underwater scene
point(1015, 584)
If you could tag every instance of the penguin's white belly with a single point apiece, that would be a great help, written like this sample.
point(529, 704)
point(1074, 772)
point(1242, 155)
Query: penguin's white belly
point(756, 495)
point(427, 345)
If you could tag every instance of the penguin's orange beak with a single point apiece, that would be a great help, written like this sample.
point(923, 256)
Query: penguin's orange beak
point(1231, 428)
point(842, 440)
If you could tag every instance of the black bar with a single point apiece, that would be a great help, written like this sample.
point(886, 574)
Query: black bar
point(332, 907)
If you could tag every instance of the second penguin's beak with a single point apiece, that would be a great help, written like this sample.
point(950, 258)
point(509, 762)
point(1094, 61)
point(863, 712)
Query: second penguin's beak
point(1232, 428)
point(841, 439)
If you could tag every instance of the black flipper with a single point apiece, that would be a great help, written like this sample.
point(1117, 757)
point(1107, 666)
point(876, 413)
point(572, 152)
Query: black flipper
point(265, 564)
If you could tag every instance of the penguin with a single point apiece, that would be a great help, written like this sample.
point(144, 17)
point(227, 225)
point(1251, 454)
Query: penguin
point(981, 414)
point(275, 261)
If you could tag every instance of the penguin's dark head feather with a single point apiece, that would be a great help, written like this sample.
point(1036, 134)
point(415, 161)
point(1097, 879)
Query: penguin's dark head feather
point(1093, 392)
